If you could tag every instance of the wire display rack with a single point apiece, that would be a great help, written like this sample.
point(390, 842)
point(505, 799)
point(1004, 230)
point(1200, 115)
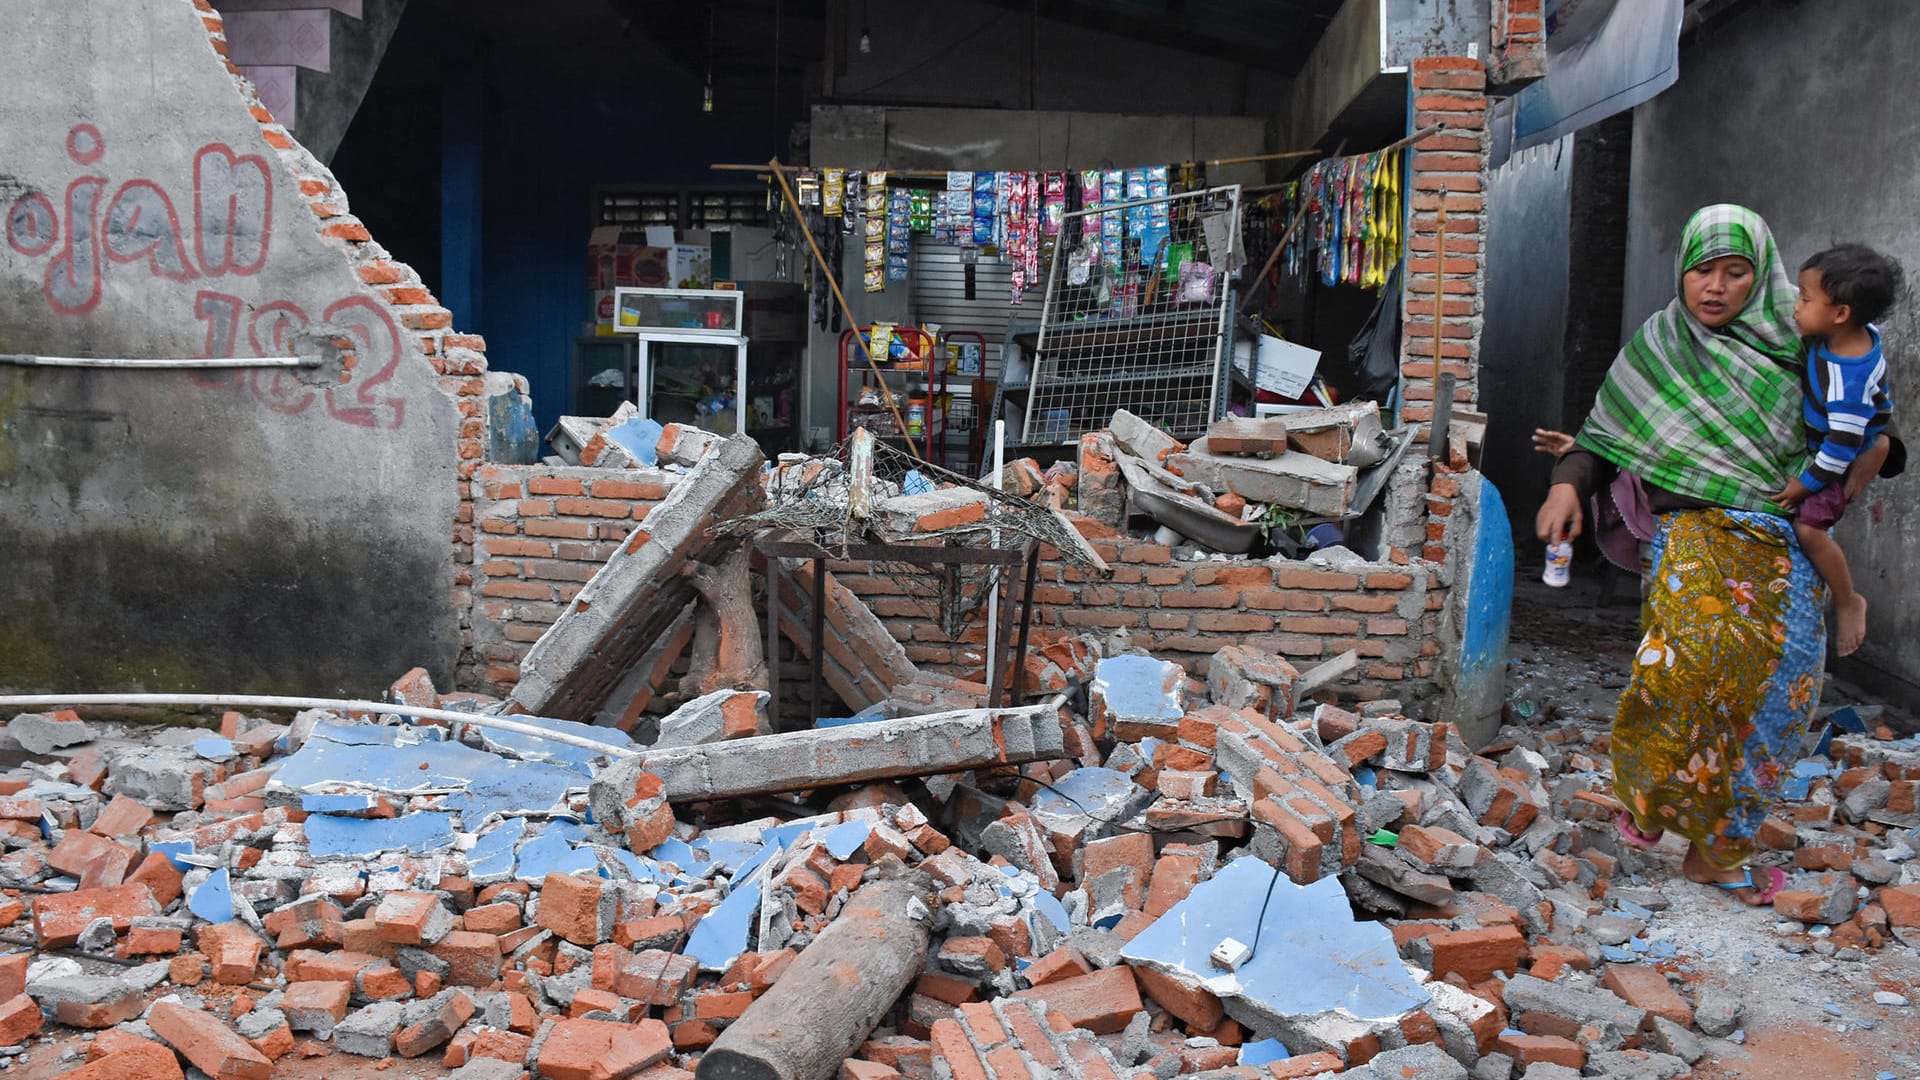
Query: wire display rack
point(1138, 316)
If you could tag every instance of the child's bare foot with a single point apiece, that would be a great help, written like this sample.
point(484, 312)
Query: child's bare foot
point(1851, 616)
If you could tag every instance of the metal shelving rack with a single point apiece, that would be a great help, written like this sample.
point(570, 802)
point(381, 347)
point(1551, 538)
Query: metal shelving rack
point(1120, 337)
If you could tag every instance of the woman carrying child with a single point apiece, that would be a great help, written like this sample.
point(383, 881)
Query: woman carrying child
point(1697, 425)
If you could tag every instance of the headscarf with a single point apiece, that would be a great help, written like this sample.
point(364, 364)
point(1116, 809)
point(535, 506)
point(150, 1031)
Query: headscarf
point(1710, 414)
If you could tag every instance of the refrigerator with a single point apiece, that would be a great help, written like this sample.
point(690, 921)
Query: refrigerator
point(691, 363)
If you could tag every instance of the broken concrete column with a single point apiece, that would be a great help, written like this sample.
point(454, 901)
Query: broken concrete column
point(909, 746)
point(1239, 677)
point(1102, 496)
point(635, 598)
point(722, 714)
point(43, 733)
point(833, 996)
point(736, 660)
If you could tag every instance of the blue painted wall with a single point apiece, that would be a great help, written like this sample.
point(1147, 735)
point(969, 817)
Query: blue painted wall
point(545, 138)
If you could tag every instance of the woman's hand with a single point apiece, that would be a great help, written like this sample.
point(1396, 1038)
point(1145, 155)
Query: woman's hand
point(1557, 443)
point(1559, 517)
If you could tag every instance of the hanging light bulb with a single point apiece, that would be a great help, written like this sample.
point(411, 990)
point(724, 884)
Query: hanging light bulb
point(706, 92)
point(866, 34)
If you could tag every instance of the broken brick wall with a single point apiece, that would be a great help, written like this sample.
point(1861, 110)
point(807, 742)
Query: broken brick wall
point(541, 532)
point(264, 530)
point(1519, 41)
point(1387, 612)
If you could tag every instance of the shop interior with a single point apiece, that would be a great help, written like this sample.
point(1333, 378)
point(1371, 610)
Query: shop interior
point(1070, 207)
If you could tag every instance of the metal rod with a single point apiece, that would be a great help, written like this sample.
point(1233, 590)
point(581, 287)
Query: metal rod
point(772, 578)
point(993, 586)
point(1423, 133)
point(907, 553)
point(1436, 441)
point(996, 692)
point(1251, 158)
point(267, 701)
point(125, 364)
point(1026, 622)
point(1440, 431)
point(819, 629)
point(833, 282)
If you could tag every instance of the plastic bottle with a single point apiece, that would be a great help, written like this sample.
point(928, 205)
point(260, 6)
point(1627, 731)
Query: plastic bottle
point(1559, 569)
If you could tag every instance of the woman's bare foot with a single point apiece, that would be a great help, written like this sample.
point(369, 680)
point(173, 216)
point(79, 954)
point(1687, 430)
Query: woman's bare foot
point(1696, 868)
point(1850, 615)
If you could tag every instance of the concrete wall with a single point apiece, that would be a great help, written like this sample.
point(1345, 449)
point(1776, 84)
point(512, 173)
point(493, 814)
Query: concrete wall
point(162, 530)
point(1792, 110)
point(1521, 356)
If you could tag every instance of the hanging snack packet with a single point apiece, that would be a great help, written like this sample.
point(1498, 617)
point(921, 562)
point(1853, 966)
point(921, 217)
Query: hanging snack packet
point(983, 208)
point(875, 228)
point(1196, 283)
point(854, 201)
point(1080, 262)
point(880, 342)
point(920, 212)
point(833, 192)
point(899, 221)
point(806, 188)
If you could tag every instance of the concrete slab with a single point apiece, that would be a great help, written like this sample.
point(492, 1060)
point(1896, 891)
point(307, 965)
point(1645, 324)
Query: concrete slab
point(1310, 956)
point(909, 746)
point(1292, 479)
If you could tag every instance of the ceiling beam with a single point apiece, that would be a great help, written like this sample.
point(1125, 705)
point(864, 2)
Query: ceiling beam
point(1179, 32)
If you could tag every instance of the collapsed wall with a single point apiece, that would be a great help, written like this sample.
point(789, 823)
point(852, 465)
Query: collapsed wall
point(253, 529)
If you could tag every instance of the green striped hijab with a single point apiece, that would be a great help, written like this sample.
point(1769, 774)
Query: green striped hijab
point(1711, 414)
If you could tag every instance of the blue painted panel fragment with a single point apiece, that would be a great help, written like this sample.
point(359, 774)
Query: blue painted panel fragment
point(213, 900)
point(215, 748)
point(328, 836)
point(844, 839)
point(719, 939)
point(492, 854)
point(1312, 956)
point(336, 804)
point(1264, 1052)
point(534, 748)
point(173, 850)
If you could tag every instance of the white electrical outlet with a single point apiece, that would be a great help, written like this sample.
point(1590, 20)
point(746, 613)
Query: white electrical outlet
point(1230, 954)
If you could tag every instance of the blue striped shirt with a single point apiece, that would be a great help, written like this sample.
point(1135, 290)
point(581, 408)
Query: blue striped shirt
point(1848, 404)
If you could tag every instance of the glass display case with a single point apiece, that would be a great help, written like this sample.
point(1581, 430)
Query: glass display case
point(692, 356)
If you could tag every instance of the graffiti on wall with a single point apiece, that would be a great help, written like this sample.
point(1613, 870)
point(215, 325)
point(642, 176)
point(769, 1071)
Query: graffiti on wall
point(225, 232)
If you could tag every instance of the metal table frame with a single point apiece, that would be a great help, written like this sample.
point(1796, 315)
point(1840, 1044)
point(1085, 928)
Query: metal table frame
point(944, 557)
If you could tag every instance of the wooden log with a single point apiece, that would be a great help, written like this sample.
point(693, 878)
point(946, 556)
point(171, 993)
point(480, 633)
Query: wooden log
point(831, 998)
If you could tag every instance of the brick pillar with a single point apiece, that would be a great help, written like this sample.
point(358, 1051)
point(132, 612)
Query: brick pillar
point(1449, 169)
point(1519, 42)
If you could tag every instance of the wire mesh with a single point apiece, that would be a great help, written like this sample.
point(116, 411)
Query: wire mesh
point(837, 500)
point(1137, 316)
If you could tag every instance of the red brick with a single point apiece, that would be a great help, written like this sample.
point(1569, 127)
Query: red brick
point(1526, 1050)
point(1475, 955)
point(1903, 905)
point(1197, 1008)
point(141, 1058)
point(203, 1039)
point(950, 1044)
point(1298, 1068)
point(59, 918)
point(573, 1046)
point(122, 817)
point(98, 862)
point(643, 1046)
point(1102, 1002)
point(233, 950)
point(1645, 988)
point(20, 1019)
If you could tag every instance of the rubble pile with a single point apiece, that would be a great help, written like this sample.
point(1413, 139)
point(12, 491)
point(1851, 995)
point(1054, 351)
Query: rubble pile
point(1160, 879)
point(1141, 873)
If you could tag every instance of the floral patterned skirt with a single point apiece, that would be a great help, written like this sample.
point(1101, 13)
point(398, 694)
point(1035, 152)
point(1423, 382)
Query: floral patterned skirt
point(1725, 679)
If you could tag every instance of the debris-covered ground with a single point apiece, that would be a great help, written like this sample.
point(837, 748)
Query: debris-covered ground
point(1142, 873)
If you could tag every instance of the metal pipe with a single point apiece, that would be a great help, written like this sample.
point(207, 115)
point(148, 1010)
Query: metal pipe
point(125, 364)
point(268, 701)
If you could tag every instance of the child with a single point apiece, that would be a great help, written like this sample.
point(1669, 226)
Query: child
point(1842, 291)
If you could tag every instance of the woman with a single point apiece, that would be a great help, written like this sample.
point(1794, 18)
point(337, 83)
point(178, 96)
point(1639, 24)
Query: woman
point(1701, 417)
